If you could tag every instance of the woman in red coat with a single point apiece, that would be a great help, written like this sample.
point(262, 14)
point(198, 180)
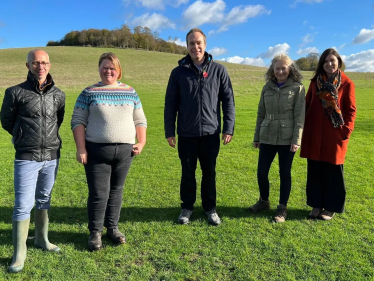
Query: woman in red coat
point(329, 122)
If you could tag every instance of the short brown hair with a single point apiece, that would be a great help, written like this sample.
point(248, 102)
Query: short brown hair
point(195, 30)
point(114, 59)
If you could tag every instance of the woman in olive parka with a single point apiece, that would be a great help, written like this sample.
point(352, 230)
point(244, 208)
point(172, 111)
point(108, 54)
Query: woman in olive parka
point(279, 126)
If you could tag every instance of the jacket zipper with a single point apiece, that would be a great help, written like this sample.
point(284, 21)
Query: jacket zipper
point(44, 124)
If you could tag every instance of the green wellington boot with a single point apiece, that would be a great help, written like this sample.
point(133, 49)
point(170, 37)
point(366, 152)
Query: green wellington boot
point(20, 230)
point(41, 232)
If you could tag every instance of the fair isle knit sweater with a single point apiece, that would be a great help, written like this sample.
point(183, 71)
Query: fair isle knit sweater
point(109, 113)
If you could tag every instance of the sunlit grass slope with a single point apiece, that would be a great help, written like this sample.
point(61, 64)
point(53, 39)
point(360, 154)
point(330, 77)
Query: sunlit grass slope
point(245, 246)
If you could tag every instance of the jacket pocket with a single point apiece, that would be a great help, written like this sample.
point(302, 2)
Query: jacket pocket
point(287, 100)
point(264, 130)
point(286, 129)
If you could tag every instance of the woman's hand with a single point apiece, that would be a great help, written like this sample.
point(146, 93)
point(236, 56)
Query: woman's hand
point(294, 147)
point(82, 156)
point(256, 144)
point(137, 148)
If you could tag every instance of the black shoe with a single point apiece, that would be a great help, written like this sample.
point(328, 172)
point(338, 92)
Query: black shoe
point(116, 236)
point(94, 241)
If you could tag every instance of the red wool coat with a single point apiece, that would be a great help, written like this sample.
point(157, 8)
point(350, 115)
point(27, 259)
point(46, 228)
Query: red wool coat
point(320, 140)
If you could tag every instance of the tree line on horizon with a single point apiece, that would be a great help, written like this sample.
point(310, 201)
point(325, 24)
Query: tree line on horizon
point(140, 38)
point(310, 62)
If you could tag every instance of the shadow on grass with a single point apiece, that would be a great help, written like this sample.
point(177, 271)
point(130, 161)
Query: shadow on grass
point(78, 215)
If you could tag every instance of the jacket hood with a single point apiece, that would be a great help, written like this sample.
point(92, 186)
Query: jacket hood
point(187, 61)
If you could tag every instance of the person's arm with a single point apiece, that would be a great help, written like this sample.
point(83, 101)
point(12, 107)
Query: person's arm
point(9, 111)
point(61, 110)
point(141, 136)
point(261, 111)
point(79, 133)
point(228, 107)
point(140, 123)
point(171, 108)
point(348, 109)
point(298, 118)
point(78, 126)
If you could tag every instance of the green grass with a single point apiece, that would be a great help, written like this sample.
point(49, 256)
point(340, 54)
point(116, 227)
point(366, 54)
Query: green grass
point(245, 246)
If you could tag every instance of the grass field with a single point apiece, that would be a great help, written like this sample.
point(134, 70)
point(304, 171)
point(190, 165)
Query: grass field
point(245, 246)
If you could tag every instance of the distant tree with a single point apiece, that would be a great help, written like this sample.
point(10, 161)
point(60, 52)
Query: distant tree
point(142, 38)
point(53, 43)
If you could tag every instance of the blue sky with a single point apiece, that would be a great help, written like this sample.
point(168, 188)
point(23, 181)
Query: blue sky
point(247, 32)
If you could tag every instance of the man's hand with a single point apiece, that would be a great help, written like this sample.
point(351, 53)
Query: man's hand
point(256, 144)
point(172, 142)
point(82, 156)
point(226, 138)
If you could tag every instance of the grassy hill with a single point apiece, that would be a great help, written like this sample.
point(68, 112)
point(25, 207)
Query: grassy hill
point(245, 246)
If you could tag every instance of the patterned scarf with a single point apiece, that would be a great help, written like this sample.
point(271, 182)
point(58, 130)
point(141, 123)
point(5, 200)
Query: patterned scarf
point(327, 91)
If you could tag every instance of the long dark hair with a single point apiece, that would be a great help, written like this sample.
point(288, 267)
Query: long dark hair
point(322, 58)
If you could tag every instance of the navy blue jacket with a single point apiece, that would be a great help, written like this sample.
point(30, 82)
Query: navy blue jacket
point(195, 97)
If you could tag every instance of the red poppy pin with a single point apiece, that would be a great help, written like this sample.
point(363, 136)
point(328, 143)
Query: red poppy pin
point(205, 74)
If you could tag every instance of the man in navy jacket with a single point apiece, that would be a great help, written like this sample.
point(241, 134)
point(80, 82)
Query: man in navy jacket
point(197, 87)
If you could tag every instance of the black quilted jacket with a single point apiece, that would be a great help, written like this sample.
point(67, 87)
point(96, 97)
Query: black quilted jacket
point(33, 117)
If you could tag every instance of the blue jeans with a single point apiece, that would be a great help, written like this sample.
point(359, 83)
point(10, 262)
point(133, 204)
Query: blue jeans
point(33, 183)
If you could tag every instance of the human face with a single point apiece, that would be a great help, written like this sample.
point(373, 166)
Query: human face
point(281, 71)
point(39, 65)
point(108, 72)
point(196, 47)
point(331, 64)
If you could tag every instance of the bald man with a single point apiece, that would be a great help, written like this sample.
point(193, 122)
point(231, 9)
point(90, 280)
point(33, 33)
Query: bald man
point(32, 112)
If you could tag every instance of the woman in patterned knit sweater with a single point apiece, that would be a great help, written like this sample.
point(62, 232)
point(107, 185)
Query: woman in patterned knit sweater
point(106, 119)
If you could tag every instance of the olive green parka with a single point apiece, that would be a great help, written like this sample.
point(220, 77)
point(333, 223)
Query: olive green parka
point(281, 113)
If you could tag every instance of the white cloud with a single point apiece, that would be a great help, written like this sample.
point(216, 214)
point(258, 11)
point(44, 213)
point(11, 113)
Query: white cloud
point(304, 22)
point(2, 24)
point(154, 21)
point(361, 62)
point(308, 38)
point(277, 49)
point(179, 42)
point(311, 27)
point(215, 52)
point(247, 61)
point(307, 51)
point(156, 4)
point(241, 14)
point(339, 48)
point(200, 13)
point(178, 3)
point(364, 36)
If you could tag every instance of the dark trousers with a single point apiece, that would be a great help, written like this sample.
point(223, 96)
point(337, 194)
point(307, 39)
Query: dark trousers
point(266, 157)
point(205, 149)
point(325, 187)
point(106, 170)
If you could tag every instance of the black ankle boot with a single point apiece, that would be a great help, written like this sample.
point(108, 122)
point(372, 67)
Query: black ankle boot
point(94, 241)
point(116, 236)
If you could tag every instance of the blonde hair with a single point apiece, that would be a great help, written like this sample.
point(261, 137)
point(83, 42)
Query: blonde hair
point(294, 71)
point(114, 59)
